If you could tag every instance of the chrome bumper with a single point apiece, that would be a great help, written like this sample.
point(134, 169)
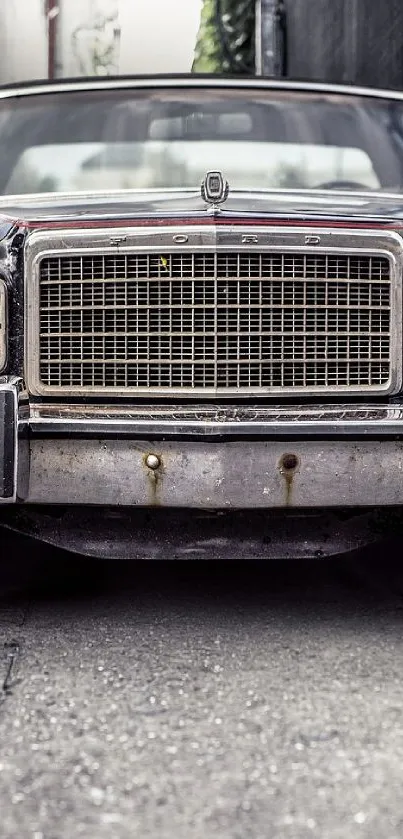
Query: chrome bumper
point(202, 457)
point(237, 474)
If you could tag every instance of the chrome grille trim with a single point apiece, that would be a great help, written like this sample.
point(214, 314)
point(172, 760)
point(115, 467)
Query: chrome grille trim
point(175, 420)
point(214, 317)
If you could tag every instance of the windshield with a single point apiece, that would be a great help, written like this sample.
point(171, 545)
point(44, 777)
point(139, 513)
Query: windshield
point(120, 139)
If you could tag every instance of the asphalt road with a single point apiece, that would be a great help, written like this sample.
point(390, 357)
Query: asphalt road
point(187, 700)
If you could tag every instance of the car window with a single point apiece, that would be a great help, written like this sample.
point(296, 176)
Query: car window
point(91, 166)
point(119, 139)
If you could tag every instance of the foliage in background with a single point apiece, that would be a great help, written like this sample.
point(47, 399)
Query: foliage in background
point(226, 40)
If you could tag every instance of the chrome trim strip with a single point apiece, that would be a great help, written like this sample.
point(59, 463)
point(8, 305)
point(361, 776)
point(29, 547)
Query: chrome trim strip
point(194, 82)
point(210, 239)
point(216, 421)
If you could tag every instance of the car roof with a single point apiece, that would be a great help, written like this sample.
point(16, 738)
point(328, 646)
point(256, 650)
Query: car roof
point(190, 81)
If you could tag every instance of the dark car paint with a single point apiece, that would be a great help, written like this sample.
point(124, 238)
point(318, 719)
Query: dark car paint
point(132, 205)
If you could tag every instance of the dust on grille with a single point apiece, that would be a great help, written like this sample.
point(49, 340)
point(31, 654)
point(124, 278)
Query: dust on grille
point(217, 321)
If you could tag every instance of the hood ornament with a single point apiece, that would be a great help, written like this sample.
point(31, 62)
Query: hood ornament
point(214, 189)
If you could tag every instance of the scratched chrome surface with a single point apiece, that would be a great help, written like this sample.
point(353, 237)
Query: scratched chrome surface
point(235, 421)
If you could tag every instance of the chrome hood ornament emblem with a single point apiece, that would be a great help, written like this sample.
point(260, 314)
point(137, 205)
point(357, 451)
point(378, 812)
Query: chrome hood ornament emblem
point(214, 189)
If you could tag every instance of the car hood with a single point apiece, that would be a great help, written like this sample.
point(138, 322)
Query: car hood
point(188, 205)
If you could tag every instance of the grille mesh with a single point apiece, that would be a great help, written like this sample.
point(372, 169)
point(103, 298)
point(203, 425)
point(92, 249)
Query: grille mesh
point(226, 321)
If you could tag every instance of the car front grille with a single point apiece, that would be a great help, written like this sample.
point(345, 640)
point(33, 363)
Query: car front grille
point(215, 322)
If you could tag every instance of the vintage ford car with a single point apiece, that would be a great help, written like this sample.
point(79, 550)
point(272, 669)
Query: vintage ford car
point(201, 316)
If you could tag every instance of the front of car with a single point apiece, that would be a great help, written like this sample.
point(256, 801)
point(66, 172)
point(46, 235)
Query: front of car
point(201, 315)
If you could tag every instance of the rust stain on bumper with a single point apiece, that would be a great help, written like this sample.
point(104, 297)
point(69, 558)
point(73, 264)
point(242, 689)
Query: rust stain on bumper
point(288, 467)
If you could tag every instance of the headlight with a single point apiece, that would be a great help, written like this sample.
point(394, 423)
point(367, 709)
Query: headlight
point(3, 324)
